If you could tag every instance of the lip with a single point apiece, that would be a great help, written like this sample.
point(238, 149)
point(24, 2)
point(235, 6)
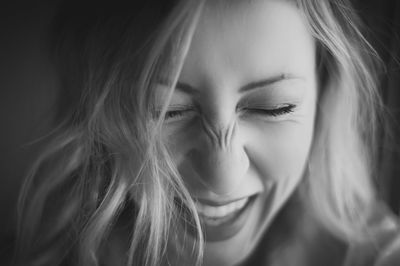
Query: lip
point(229, 228)
point(221, 203)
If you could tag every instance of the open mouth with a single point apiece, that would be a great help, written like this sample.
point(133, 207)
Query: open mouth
point(220, 222)
point(217, 215)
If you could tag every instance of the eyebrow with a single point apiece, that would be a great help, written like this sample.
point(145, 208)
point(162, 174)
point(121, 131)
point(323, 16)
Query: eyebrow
point(184, 87)
point(266, 82)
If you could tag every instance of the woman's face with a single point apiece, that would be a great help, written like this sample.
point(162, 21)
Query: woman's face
point(240, 123)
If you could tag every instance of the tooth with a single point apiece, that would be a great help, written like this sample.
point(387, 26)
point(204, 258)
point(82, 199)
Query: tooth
point(216, 212)
point(210, 211)
point(213, 212)
point(225, 210)
point(241, 203)
point(230, 208)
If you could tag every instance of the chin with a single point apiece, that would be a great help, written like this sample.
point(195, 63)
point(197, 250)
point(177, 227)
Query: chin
point(259, 215)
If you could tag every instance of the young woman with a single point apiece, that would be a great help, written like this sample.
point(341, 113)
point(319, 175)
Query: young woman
point(200, 132)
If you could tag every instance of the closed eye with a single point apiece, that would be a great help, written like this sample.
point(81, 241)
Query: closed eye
point(285, 109)
point(174, 114)
point(178, 112)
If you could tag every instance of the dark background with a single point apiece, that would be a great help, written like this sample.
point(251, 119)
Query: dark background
point(382, 18)
point(29, 91)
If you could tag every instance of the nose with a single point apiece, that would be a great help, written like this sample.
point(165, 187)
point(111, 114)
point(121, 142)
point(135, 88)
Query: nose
point(220, 159)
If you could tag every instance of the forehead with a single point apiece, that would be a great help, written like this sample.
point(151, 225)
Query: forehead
point(249, 40)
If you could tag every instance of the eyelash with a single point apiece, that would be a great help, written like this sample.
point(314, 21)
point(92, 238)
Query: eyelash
point(178, 112)
point(174, 114)
point(286, 109)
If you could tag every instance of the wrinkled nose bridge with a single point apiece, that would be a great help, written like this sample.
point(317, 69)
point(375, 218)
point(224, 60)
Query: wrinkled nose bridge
point(220, 159)
point(219, 135)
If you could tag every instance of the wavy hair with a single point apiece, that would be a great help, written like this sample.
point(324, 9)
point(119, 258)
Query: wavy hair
point(343, 163)
point(107, 157)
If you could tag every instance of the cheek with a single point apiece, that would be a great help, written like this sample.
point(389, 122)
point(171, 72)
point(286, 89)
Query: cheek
point(181, 139)
point(279, 152)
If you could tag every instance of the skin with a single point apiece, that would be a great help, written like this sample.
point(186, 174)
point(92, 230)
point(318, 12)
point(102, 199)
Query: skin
point(225, 126)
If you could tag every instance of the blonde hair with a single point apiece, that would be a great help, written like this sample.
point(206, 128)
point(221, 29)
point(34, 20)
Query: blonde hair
point(343, 161)
point(107, 153)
